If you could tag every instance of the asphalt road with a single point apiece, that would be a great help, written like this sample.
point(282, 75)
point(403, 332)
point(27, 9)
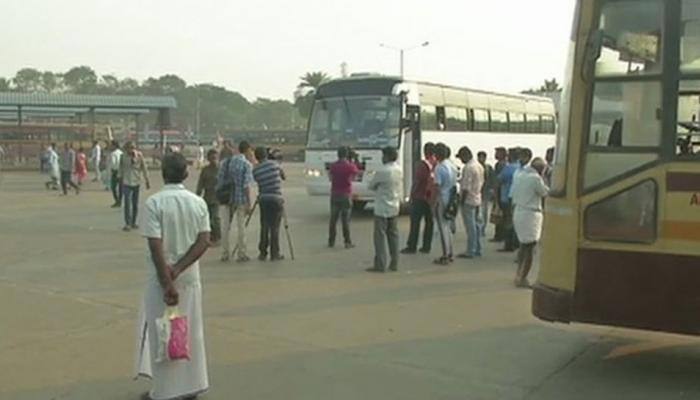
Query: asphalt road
point(315, 328)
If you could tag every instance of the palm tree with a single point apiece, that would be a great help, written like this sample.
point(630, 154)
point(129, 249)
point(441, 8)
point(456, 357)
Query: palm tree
point(550, 86)
point(312, 80)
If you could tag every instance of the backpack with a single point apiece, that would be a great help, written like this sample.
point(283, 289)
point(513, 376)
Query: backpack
point(224, 191)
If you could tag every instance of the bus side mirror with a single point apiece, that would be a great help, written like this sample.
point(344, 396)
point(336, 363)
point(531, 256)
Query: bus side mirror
point(594, 46)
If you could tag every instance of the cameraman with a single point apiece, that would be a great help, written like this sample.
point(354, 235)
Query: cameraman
point(269, 176)
point(342, 173)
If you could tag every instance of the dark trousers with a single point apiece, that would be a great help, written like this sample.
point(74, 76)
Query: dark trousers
point(131, 204)
point(420, 209)
point(386, 232)
point(509, 236)
point(341, 207)
point(67, 180)
point(214, 221)
point(270, 220)
point(116, 187)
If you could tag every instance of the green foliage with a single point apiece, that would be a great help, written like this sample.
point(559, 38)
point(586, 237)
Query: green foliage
point(549, 86)
point(208, 108)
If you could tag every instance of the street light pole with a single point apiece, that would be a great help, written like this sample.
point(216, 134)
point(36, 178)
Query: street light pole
point(402, 51)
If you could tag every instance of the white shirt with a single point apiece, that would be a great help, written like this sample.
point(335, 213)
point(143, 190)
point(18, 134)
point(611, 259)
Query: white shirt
point(471, 182)
point(528, 189)
point(115, 159)
point(177, 216)
point(96, 154)
point(387, 186)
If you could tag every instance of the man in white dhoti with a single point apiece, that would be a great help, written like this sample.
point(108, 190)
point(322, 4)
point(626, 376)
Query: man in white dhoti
point(528, 190)
point(177, 229)
point(54, 168)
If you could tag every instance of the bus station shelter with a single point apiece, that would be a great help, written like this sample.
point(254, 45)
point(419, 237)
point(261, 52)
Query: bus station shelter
point(15, 108)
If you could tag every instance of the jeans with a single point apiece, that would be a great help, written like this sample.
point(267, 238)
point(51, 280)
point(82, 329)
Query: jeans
point(484, 212)
point(67, 180)
point(270, 220)
point(341, 207)
point(444, 227)
point(214, 221)
point(386, 232)
point(471, 225)
point(131, 204)
point(116, 187)
point(420, 209)
point(227, 213)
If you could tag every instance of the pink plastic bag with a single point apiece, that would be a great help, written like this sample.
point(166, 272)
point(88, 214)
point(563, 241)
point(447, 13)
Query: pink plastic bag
point(179, 342)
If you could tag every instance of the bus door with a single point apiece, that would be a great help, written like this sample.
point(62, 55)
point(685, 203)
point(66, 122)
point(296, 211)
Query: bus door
point(412, 147)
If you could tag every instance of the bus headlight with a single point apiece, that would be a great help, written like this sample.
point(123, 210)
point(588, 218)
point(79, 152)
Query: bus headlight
point(313, 173)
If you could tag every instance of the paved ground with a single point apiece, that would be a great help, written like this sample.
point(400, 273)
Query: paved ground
point(316, 328)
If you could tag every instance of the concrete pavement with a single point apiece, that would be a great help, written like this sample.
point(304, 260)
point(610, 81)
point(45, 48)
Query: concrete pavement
point(315, 328)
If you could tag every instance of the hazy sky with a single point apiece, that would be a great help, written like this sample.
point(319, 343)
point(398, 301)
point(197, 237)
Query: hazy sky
point(260, 48)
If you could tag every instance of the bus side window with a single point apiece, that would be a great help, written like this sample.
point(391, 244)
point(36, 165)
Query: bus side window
point(428, 118)
point(441, 122)
point(499, 121)
point(533, 124)
point(480, 120)
point(456, 119)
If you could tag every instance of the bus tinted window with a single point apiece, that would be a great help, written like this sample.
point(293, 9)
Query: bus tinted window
point(499, 121)
point(688, 140)
point(533, 124)
point(548, 125)
point(517, 122)
point(690, 41)
point(625, 114)
point(428, 118)
point(632, 38)
point(629, 216)
point(481, 120)
point(456, 118)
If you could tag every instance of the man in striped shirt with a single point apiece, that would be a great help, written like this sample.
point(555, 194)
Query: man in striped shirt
point(268, 175)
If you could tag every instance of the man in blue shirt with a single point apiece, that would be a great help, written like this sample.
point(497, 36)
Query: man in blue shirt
point(445, 184)
point(506, 181)
point(239, 171)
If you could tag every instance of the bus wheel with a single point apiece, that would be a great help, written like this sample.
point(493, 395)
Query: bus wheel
point(358, 205)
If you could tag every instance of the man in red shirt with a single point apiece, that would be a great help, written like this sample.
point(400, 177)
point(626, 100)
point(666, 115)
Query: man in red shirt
point(420, 202)
point(342, 173)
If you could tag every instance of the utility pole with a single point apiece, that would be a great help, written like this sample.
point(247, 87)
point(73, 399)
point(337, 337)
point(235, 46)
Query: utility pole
point(402, 51)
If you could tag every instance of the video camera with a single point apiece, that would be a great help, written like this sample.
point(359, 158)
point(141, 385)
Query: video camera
point(275, 154)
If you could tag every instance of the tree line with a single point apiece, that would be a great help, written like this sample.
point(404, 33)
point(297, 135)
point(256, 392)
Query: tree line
point(209, 107)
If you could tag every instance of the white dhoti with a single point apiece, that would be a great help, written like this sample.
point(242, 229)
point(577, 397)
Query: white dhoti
point(528, 225)
point(172, 379)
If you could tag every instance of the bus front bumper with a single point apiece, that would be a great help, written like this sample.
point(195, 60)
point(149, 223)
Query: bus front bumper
point(551, 304)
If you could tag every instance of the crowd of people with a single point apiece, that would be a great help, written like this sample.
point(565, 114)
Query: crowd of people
point(180, 225)
point(509, 195)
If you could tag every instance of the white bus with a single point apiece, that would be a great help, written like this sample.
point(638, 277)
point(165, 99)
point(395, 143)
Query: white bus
point(370, 112)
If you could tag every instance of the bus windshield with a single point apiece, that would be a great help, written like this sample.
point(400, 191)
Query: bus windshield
point(357, 121)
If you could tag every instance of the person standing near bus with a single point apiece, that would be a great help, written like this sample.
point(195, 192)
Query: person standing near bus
point(471, 183)
point(131, 168)
point(341, 173)
point(420, 203)
point(528, 190)
point(549, 167)
point(95, 158)
point(487, 192)
point(505, 179)
point(115, 184)
point(501, 155)
point(445, 185)
point(386, 185)
point(68, 169)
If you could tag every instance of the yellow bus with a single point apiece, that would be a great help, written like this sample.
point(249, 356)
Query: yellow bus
point(621, 241)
